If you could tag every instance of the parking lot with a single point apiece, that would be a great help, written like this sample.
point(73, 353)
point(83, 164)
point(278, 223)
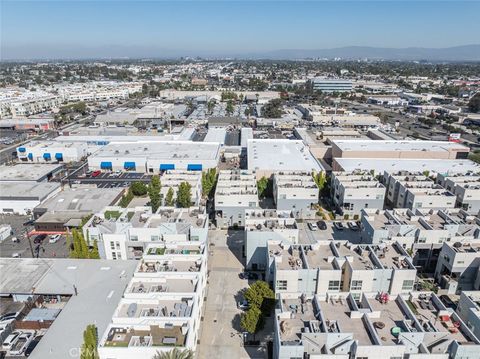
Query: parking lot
point(110, 179)
point(221, 336)
point(22, 248)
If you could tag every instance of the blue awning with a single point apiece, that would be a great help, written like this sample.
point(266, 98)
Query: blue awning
point(59, 156)
point(47, 156)
point(129, 165)
point(30, 156)
point(21, 149)
point(194, 167)
point(167, 166)
point(106, 165)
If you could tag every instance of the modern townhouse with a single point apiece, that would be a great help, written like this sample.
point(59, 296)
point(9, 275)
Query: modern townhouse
point(468, 308)
point(397, 184)
point(162, 305)
point(355, 191)
point(374, 326)
point(466, 187)
point(235, 192)
point(125, 233)
point(458, 267)
point(173, 178)
point(262, 226)
point(422, 233)
point(326, 268)
point(296, 192)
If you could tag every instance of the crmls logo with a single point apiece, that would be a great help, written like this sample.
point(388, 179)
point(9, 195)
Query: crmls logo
point(88, 352)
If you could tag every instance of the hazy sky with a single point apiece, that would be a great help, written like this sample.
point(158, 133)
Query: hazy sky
point(68, 28)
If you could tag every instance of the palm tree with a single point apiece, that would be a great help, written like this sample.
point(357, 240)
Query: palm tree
point(174, 354)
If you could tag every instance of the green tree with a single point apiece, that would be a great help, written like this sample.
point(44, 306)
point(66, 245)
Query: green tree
point(263, 187)
point(174, 354)
point(474, 103)
point(94, 251)
point(90, 341)
point(260, 295)
point(209, 179)
point(139, 188)
point(229, 109)
point(320, 179)
point(126, 199)
point(154, 193)
point(252, 320)
point(169, 201)
point(79, 247)
point(184, 196)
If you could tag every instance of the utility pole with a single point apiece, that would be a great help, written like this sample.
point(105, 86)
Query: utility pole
point(29, 242)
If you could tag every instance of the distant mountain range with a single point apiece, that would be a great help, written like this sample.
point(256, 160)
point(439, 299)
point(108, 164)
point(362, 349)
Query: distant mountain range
point(457, 53)
point(43, 52)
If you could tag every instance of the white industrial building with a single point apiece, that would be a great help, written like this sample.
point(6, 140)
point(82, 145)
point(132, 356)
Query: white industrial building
point(154, 157)
point(35, 172)
point(266, 156)
point(295, 191)
point(51, 151)
point(236, 191)
point(22, 197)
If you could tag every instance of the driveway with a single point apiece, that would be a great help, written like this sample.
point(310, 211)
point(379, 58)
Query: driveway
point(220, 332)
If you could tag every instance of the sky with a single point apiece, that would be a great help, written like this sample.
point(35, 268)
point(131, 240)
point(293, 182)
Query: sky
point(68, 28)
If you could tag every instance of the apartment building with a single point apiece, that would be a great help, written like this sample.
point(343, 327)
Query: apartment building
point(466, 187)
point(173, 178)
point(468, 308)
point(353, 192)
point(397, 184)
point(262, 226)
point(32, 106)
point(125, 233)
point(326, 267)
point(458, 267)
point(297, 269)
point(295, 191)
point(371, 327)
point(162, 305)
point(51, 151)
point(421, 232)
point(235, 192)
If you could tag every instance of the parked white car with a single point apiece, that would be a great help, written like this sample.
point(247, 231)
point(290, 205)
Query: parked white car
point(22, 343)
point(54, 238)
point(10, 341)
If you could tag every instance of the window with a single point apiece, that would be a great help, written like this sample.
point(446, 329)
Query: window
point(281, 285)
point(154, 238)
point(356, 285)
point(333, 285)
point(134, 238)
point(407, 285)
point(114, 255)
point(112, 245)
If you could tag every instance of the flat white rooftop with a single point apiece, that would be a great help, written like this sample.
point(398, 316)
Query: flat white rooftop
point(280, 155)
point(401, 145)
point(23, 191)
point(442, 166)
point(27, 172)
point(162, 150)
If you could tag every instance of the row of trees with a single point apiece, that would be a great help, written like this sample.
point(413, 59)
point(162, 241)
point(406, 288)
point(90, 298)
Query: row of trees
point(261, 300)
point(209, 180)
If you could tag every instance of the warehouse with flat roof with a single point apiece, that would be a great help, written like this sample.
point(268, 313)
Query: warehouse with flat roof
point(398, 149)
point(266, 156)
point(380, 165)
point(153, 157)
point(22, 197)
point(35, 172)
